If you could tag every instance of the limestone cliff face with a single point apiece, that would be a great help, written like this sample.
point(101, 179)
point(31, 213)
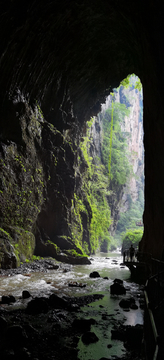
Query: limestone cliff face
point(36, 190)
point(133, 127)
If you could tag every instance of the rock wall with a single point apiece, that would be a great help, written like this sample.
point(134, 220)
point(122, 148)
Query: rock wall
point(67, 59)
point(37, 188)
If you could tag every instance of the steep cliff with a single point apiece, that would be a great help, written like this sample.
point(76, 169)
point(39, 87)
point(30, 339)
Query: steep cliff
point(37, 187)
point(123, 196)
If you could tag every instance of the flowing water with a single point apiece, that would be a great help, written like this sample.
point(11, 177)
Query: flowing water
point(106, 311)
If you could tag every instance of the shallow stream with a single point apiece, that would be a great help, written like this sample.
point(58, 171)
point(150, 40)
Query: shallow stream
point(106, 311)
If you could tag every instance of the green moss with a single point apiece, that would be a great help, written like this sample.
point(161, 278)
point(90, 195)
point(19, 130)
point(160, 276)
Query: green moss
point(24, 244)
point(5, 234)
point(74, 253)
point(57, 249)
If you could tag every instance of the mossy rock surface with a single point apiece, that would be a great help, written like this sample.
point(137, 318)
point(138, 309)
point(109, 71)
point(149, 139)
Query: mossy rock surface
point(23, 243)
point(7, 256)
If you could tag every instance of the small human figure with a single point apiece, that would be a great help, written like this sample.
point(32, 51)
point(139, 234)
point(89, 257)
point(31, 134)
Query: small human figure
point(131, 251)
point(124, 255)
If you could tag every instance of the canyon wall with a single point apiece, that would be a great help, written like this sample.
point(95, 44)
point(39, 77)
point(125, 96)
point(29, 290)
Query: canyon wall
point(132, 127)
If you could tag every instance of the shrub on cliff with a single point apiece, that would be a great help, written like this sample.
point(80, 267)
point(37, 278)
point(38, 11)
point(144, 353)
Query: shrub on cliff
point(133, 237)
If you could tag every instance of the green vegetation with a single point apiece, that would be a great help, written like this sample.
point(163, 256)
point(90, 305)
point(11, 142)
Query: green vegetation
point(131, 237)
point(120, 165)
point(132, 216)
point(91, 205)
point(130, 80)
point(74, 253)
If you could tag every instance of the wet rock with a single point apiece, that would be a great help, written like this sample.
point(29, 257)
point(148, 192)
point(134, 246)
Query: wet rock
point(76, 284)
point(73, 307)
point(142, 304)
point(57, 302)
point(25, 294)
point(94, 274)
point(89, 338)
point(130, 335)
point(30, 329)
point(3, 325)
point(118, 334)
point(23, 354)
point(8, 354)
point(37, 306)
point(104, 317)
point(7, 299)
point(117, 289)
point(134, 306)
point(118, 281)
point(134, 336)
point(15, 336)
point(127, 303)
point(105, 278)
point(82, 324)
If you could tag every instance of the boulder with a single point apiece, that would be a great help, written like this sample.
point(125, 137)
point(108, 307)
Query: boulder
point(37, 306)
point(82, 324)
point(134, 336)
point(117, 289)
point(118, 334)
point(15, 336)
point(127, 303)
point(8, 258)
point(57, 302)
point(118, 281)
point(94, 274)
point(25, 294)
point(8, 299)
point(89, 338)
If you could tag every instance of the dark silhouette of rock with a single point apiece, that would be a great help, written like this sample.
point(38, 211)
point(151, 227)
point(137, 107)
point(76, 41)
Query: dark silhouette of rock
point(94, 274)
point(37, 306)
point(15, 336)
point(134, 335)
point(83, 324)
point(118, 334)
point(126, 303)
point(3, 325)
point(25, 294)
point(118, 281)
point(89, 338)
point(133, 306)
point(131, 335)
point(117, 289)
point(8, 299)
point(23, 354)
point(57, 302)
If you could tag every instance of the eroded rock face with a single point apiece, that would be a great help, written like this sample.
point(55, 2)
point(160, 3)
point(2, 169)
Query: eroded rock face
point(67, 59)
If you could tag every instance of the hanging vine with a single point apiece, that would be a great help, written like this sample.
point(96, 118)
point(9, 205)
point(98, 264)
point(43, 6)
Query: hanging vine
point(110, 146)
